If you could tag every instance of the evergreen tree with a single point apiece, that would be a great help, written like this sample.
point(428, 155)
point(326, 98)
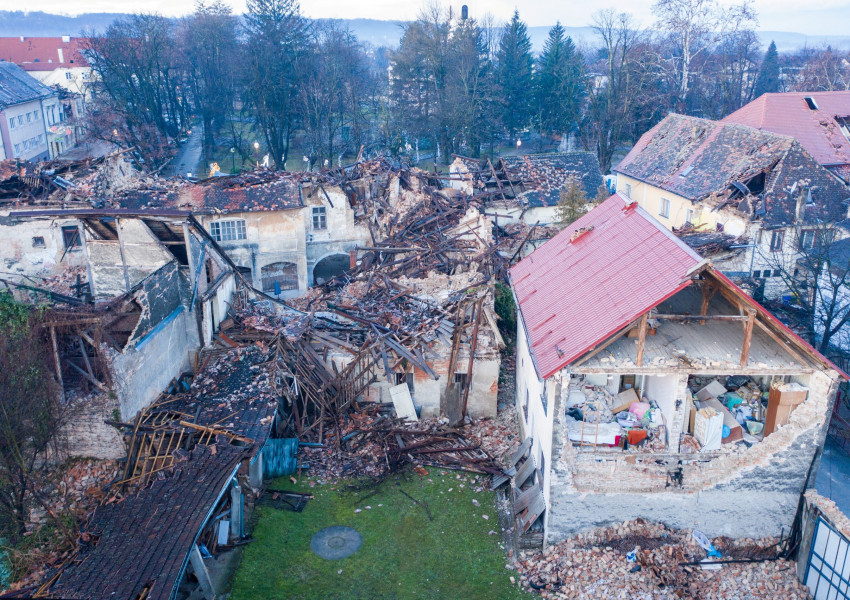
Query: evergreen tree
point(767, 80)
point(560, 87)
point(513, 74)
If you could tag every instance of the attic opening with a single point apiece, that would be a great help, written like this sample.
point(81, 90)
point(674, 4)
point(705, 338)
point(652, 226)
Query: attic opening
point(810, 102)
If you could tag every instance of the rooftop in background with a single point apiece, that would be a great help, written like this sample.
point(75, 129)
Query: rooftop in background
point(697, 159)
point(821, 124)
point(543, 176)
point(16, 86)
point(43, 53)
point(578, 289)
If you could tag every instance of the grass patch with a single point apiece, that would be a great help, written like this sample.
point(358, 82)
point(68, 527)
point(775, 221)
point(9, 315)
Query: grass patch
point(404, 554)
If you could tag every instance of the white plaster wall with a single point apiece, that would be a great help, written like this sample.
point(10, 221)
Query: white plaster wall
point(17, 254)
point(26, 131)
point(141, 375)
point(215, 308)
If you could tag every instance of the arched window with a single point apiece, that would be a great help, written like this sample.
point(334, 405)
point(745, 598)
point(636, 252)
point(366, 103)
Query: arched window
point(279, 277)
point(228, 231)
point(335, 265)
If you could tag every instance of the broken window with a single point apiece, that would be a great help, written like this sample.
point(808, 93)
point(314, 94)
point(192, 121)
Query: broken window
point(809, 238)
point(776, 239)
point(71, 236)
point(320, 218)
point(38, 242)
point(664, 208)
point(689, 216)
point(405, 378)
point(228, 231)
point(280, 276)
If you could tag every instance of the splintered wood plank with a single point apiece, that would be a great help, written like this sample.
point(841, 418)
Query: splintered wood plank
point(526, 498)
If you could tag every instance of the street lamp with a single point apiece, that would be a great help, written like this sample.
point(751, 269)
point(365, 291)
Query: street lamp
point(233, 161)
point(257, 153)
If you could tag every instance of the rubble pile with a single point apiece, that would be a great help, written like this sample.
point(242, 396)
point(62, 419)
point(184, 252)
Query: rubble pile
point(637, 560)
point(77, 488)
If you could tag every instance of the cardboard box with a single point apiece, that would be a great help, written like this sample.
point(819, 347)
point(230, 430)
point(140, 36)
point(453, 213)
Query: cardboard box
point(736, 431)
point(623, 400)
point(781, 402)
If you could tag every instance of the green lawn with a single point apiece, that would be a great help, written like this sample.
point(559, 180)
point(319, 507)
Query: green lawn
point(404, 554)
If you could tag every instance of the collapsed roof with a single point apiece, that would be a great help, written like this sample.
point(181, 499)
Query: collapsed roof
point(542, 177)
point(820, 121)
point(763, 175)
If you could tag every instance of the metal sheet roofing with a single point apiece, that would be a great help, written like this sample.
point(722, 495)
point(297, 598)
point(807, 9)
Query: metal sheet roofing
point(819, 131)
point(575, 292)
point(17, 87)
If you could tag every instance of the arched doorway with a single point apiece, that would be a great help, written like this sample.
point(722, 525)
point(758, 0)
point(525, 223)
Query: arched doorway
point(329, 267)
point(279, 277)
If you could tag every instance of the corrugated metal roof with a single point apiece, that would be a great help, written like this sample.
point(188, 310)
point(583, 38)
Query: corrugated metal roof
point(574, 294)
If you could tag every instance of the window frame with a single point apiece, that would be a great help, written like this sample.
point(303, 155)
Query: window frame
point(228, 230)
point(777, 239)
point(664, 208)
point(71, 237)
point(319, 218)
point(12, 123)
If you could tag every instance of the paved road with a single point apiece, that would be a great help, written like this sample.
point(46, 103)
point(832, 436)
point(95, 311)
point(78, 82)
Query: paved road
point(188, 157)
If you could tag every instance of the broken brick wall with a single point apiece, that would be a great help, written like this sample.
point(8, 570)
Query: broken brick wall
point(85, 432)
point(747, 493)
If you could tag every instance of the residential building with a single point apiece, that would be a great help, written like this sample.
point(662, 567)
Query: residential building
point(285, 232)
point(820, 121)
point(22, 120)
point(761, 187)
point(630, 350)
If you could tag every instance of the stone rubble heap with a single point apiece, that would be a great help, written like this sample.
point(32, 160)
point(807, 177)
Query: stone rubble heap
point(594, 565)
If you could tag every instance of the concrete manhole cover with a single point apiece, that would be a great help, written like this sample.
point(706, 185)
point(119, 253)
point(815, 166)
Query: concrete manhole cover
point(336, 542)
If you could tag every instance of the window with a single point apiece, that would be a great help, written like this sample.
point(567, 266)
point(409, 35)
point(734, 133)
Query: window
point(26, 144)
point(810, 102)
point(809, 238)
point(766, 273)
point(29, 117)
point(35, 115)
point(664, 208)
point(320, 218)
point(756, 274)
point(460, 380)
point(12, 123)
point(18, 149)
point(279, 277)
point(628, 190)
point(40, 139)
point(405, 378)
point(68, 75)
point(20, 119)
point(38, 242)
point(71, 236)
point(227, 231)
point(689, 216)
point(776, 239)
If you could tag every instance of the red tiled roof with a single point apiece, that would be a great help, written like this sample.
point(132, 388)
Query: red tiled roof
point(789, 114)
point(572, 295)
point(42, 53)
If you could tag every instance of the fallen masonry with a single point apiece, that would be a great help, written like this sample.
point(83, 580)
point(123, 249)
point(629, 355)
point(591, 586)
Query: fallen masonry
point(668, 564)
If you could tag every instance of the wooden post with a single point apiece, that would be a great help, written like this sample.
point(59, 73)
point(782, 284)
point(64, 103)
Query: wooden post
point(58, 362)
point(123, 256)
point(201, 573)
point(642, 337)
point(707, 293)
point(748, 336)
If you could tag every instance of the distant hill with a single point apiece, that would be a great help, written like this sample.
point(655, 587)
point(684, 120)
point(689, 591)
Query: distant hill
point(373, 31)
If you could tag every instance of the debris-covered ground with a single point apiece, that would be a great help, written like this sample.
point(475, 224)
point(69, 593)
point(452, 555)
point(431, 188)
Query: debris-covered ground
point(595, 565)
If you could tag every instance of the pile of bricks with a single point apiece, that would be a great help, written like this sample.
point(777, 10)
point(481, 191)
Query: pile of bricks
point(595, 565)
point(77, 489)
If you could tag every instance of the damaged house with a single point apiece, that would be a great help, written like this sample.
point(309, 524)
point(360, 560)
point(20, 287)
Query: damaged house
point(650, 386)
point(820, 121)
point(527, 187)
point(285, 231)
point(764, 192)
point(136, 296)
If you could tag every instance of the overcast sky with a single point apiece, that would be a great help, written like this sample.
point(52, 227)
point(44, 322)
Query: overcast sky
point(832, 17)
